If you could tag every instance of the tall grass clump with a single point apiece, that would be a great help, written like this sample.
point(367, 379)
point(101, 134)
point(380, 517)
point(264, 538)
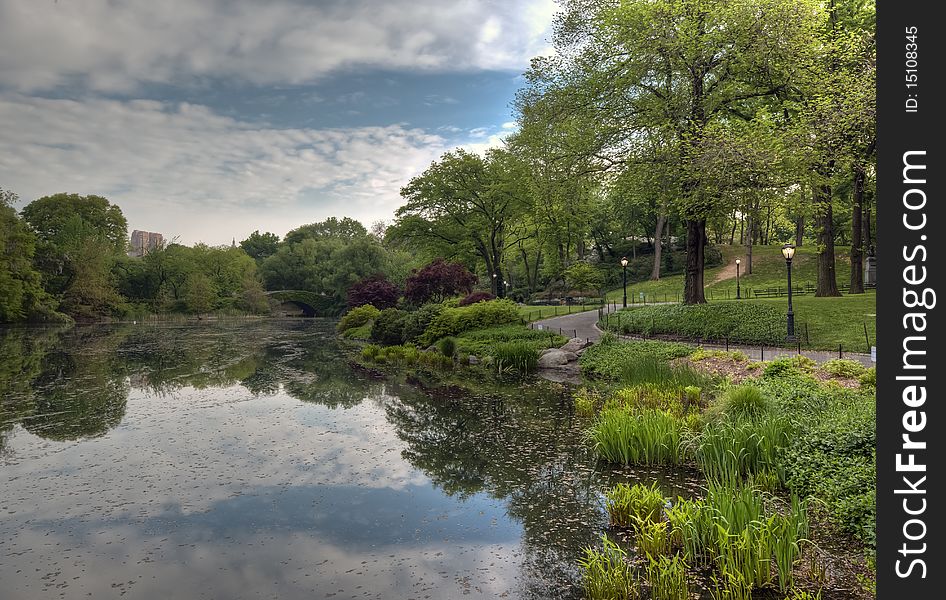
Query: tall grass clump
point(587, 402)
point(743, 402)
point(605, 573)
point(843, 367)
point(653, 537)
point(447, 346)
point(646, 437)
point(656, 371)
point(728, 450)
point(667, 577)
point(630, 504)
point(519, 356)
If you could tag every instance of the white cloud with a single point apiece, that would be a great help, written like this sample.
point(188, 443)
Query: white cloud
point(112, 45)
point(184, 170)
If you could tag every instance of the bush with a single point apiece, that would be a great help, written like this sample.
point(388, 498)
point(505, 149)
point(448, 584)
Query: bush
point(869, 378)
point(437, 281)
point(476, 297)
point(742, 322)
point(447, 346)
point(388, 327)
point(359, 333)
point(357, 317)
point(843, 367)
point(375, 290)
point(789, 365)
point(417, 321)
point(454, 321)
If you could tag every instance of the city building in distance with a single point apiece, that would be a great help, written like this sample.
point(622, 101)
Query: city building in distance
point(143, 242)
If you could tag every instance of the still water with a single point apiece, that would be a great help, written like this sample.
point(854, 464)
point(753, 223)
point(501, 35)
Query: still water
point(248, 460)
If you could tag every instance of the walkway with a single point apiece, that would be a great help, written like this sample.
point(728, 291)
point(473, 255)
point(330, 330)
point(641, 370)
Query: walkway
point(584, 325)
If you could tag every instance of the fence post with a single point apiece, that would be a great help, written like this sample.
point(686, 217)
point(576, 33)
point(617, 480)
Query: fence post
point(807, 339)
point(761, 352)
point(866, 337)
point(727, 343)
point(840, 351)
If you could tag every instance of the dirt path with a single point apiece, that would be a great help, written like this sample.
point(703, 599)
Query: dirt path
point(727, 272)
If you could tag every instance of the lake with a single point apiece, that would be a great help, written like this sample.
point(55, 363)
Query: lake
point(247, 459)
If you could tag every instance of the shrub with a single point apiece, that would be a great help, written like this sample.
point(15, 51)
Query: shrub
point(789, 365)
point(370, 351)
point(436, 361)
point(375, 290)
point(453, 321)
point(843, 367)
point(869, 378)
point(359, 333)
point(437, 281)
point(357, 317)
point(734, 355)
point(447, 346)
point(742, 322)
point(417, 321)
point(476, 297)
point(388, 327)
point(520, 356)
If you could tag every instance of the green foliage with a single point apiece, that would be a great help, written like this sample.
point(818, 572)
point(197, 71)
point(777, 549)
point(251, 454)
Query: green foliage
point(454, 321)
point(21, 292)
point(418, 320)
point(789, 365)
point(447, 346)
point(657, 372)
point(843, 367)
point(582, 276)
point(371, 351)
point(586, 402)
point(869, 378)
point(483, 342)
point(260, 246)
point(733, 355)
point(646, 437)
point(743, 402)
point(631, 504)
point(362, 332)
point(519, 356)
point(667, 577)
point(728, 450)
point(388, 327)
point(608, 357)
point(199, 293)
point(741, 322)
point(605, 573)
point(357, 317)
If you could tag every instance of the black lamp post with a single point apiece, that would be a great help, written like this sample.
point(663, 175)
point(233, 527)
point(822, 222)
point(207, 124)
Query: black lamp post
point(788, 251)
point(624, 266)
point(738, 295)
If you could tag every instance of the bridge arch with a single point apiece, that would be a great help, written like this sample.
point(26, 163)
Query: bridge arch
point(312, 304)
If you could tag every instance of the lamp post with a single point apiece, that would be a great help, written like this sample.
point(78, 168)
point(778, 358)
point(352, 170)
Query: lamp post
point(624, 266)
point(499, 293)
point(738, 296)
point(788, 251)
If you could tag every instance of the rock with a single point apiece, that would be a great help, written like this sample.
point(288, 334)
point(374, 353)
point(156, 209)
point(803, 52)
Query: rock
point(473, 360)
point(546, 351)
point(575, 345)
point(556, 358)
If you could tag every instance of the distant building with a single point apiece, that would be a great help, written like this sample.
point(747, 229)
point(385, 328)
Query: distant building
point(143, 242)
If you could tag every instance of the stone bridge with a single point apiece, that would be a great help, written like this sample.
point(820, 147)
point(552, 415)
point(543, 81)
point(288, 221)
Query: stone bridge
point(311, 304)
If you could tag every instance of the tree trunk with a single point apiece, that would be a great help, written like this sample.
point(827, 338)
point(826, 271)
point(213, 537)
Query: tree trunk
point(732, 234)
point(868, 238)
point(655, 272)
point(857, 248)
point(695, 244)
point(824, 223)
point(749, 225)
point(799, 230)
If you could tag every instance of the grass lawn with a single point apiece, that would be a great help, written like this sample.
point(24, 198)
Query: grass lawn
point(833, 321)
point(535, 313)
point(768, 270)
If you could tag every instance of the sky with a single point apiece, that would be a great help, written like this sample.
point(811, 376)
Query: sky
point(205, 121)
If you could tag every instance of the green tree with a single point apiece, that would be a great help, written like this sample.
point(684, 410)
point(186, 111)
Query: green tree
point(199, 294)
point(260, 246)
point(21, 292)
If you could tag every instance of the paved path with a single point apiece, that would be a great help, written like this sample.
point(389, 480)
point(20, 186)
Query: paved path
point(584, 325)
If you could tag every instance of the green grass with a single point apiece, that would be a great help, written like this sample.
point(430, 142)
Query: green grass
point(608, 357)
point(827, 322)
point(483, 342)
point(631, 504)
point(536, 313)
point(606, 574)
point(768, 270)
point(646, 437)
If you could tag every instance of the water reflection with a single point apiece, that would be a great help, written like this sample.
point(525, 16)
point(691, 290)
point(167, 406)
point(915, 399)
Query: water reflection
point(247, 459)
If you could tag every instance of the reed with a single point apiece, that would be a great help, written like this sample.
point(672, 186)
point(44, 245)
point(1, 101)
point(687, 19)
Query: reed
point(605, 573)
point(667, 577)
point(629, 504)
point(653, 537)
point(647, 437)
point(519, 356)
point(727, 450)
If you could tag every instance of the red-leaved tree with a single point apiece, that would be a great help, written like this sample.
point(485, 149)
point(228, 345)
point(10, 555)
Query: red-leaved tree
point(438, 281)
point(375, 290)
point(477, 297)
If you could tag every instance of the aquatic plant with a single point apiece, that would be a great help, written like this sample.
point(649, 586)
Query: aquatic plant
point(653, 537)
point(605, 573)
point(667, 577)
point(520, 356)
point(648, 437)
point(728, 450)
point(629, 504)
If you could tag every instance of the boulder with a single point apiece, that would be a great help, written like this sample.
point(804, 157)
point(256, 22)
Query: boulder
point(473, 360)
point(556, 358)
point(575, 345)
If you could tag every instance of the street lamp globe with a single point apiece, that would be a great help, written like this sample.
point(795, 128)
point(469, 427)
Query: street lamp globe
point(624, 262)
point(788, 251)
point(738, 262)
